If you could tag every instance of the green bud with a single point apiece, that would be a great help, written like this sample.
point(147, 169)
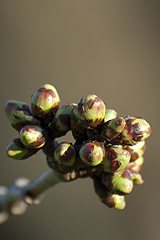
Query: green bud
point(118, 182)
point(79, 130)
point(112, 128)
point(44, 100)
point(65, 154)
point(109, 199)
point(92, 153)
point(17, 150)
point(136, 150)
point(110, 114)
point(90, 110)
point(136, 129)
point(136, 178)
point(32, 136)
point(115, 201)
point(19, 114)
point(116, 158)
point(62, 121)
point(136, 165)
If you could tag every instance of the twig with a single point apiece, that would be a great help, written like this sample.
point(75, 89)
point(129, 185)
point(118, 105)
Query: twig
point(15, 200)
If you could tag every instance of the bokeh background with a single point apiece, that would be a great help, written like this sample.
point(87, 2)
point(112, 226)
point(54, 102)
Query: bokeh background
point(107, 47)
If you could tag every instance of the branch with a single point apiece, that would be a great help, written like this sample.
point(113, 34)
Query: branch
point(16, 199)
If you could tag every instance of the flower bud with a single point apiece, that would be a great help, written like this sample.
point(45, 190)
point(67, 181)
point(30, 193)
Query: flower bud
point(19, 114)
point(92, 153)
point(112, 128)
point(65, 154)
point(110, 114)
point(62, 121)
point(136, 165)
point(136, 150)
point(136, 178)
point(115, 201)
point(32, 136)
point(116, 158)
point(136, 129)
point(17, 150)
point(90, 110)
point(79, 130)
point(118, 182)
point(44, 100)
point(109, 199)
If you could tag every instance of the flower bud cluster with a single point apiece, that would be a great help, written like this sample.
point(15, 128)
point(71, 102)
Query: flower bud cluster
point(110, 148)
point(31, 121)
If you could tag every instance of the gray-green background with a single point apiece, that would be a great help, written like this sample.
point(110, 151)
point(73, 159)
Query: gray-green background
point(107, 47)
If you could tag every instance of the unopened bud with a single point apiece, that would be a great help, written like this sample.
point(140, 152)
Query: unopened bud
point(65, 154)
point(116, 158)
point(19, 114)
point(112, 128)
point(79, 130)
point(110, 114)
point(118, 182)
point(92, 153)
point(17, 150)
point(136, 178)
point(136, 150)
point(44, 100)
point(32, 136)
point(115, 201)
point(136, 165)
point(136, 129)
point(62, 121)
point(90, 110)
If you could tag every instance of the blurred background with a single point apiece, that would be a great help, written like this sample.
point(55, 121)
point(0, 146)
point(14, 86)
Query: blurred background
point(107, 47)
